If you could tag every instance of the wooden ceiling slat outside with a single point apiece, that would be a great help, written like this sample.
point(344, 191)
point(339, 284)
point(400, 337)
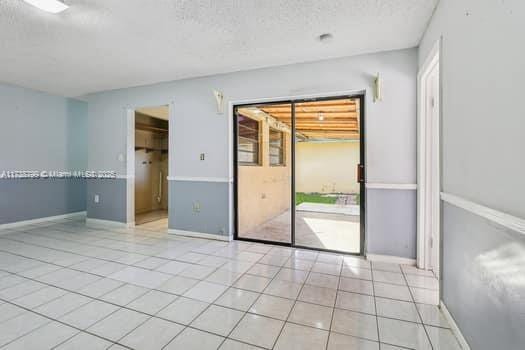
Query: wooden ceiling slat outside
point(340, 118)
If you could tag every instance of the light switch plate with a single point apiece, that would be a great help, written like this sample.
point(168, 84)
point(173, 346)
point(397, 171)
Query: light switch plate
point(97, 198)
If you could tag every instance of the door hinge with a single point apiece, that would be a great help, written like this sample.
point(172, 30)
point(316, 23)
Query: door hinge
point(431, 242)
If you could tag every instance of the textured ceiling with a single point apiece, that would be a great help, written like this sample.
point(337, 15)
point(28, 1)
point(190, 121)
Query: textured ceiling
point(107, 44)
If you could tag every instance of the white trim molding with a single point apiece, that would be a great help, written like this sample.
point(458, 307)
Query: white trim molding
point(511, 222)
point(107, 223)
point(199, 179)
point(200, 235)
point(391, 259)
point(455, 329)
point(388, 186)
point(78, 214)
point(428, 162)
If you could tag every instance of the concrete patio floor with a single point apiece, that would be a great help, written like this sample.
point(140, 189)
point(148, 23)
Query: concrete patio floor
point(312, 229)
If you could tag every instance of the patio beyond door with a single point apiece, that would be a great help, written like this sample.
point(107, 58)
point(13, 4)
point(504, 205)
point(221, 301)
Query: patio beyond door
point(297, 178)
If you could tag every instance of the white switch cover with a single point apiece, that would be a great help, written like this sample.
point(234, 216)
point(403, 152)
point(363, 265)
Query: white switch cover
point(97, 198)
point(120, 157)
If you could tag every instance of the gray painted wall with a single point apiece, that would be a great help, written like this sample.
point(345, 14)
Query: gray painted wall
point(41, 132)
point(484, 280)
point(112, 199)
point(197, 128)
point(210, 196)
point(482, 70)
point(27, 199)
point(391, 227)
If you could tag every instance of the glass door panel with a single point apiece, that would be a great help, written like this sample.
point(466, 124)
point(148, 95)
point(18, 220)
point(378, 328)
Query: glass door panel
point(264, 168)
point(327, 190)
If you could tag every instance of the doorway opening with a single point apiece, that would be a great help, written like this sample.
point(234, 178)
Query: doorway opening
point(151, 167)
point(299, 177)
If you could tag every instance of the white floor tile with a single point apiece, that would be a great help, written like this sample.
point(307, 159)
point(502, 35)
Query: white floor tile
point(442, 339)
point(124, 295)
point(252, 282)
point(432, 315)
point(356, 286)
point(272, 306)
point(355, 324)
point(392, 291)
point(45, 337)
point(178, 285)
point(84, 341)
point(118, 324)
point(230, 344)
point(257, 330)
point(346, 342)
point(389, 277)
point(218, 320)
point(355, 302)
point(237, 299)
point(296, 336)
point(63, 305)
point(88, 314)
point(283, 289)
point(312, 315)
point(323, 280)
point(152, 302)
point(153, 334)
point(263, 270)
point(402, 333)
point(422, 282)
point(401, 310)
point(425, 296)
point(193, 339)
point(183, 310)
point(205, 291)
point(20, 325)
point(318, 295)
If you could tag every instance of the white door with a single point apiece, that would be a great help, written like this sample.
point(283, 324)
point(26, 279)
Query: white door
point(433, 158)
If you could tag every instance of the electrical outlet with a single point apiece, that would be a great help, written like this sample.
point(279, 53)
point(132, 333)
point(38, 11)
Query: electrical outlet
point(97, 198)
point(196, 207)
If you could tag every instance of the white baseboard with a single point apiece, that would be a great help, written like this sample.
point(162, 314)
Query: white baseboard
point(105, 223)
point(199, 235)
point(455, 329)
point(77, 214)
point(391, 259)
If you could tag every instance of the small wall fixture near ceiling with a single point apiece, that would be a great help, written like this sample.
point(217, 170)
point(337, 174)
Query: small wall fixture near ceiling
point(378, 93)
point(219, 99)
point(52, 6)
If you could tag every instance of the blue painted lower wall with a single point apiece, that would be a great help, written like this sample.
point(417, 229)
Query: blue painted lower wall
point(212, 198)
point(484, 280)
point(28, 199)
point(391, 222)
point(112, 199)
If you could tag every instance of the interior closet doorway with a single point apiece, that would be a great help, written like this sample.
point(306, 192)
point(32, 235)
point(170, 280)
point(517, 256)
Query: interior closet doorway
point(151, 167)
point(299, 173)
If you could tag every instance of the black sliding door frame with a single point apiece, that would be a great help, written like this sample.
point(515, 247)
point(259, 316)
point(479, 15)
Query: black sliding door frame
point(362, 162)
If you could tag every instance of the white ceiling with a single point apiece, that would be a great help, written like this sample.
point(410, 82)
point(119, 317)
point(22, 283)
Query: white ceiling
point(99, 45)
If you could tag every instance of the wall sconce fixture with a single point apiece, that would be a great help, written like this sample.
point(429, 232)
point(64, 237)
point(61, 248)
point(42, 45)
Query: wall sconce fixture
point(378, 93)
point(219, 98)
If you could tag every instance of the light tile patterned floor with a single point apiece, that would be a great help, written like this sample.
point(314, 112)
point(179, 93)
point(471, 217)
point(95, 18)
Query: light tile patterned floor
point(64, 285)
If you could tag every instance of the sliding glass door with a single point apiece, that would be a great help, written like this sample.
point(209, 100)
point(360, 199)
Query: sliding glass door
point(297, 173)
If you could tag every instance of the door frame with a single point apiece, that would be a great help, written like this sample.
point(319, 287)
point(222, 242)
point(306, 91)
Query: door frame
point(130, 156)
point(428, 138)
point(234, 169)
